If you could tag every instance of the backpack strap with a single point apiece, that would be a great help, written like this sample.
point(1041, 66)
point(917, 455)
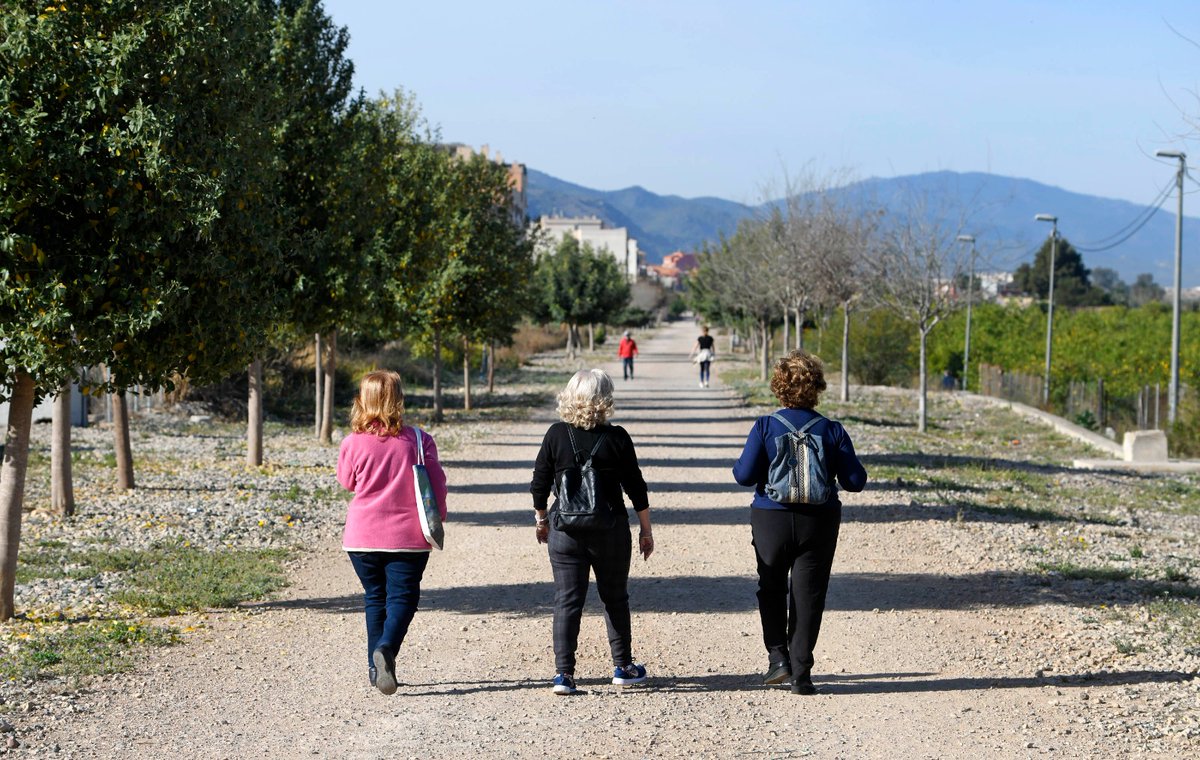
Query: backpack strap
point(575, 448)
point(792, 427)
point(784, 420)
point(811, 422)
point(596, 448)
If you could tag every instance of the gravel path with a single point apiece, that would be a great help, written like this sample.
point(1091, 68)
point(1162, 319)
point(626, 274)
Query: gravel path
point(930, 647)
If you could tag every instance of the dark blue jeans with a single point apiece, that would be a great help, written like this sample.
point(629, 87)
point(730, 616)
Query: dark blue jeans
point(705, 371)
point(572, 557)
point(795, 556)
point(627, 367)
point(391, 584)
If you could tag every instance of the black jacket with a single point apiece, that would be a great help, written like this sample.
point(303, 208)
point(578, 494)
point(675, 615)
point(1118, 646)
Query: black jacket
point(616, 460)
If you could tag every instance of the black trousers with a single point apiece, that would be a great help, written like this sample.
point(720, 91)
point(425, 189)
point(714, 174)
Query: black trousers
point(801, 544)
point(572, 557)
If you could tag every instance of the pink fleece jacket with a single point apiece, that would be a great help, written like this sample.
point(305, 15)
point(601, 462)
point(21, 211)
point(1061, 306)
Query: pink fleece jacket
point(382, 516)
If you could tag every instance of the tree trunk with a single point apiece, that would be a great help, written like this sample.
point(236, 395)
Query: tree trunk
point(466, 375)
point(318, 386)
point(765, 326)
point(62, 491)
point(846, 351)
point(123, 451)
point(578, 337)
point(254, 416)
point(327, 395)
point(438, 412)
point(491, 377)
point(570, 341)
point(787, 325)
point(591, 337)
point(12, 487)
point(921, 392)
point(799, 329)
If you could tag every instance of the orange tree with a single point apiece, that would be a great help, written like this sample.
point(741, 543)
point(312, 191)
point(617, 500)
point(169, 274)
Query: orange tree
point(134, 203)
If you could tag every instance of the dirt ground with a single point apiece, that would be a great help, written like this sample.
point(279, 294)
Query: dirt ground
point(920, 655)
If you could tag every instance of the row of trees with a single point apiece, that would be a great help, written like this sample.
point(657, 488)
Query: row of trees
point(813, 260)
point(811, 254)
point(188, 184)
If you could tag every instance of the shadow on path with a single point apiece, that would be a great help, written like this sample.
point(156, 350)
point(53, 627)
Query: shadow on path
point(848, 592)
point(851, 684)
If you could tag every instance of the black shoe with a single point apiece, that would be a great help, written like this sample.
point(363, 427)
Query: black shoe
point(371, 673)
point(385, 671)
point(777, 673)
point(803, 686)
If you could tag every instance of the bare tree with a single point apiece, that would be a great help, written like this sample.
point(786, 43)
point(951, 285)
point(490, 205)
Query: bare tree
point(914, 276)
point(841, 271)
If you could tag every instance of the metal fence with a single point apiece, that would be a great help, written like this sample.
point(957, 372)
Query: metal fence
point(1085, 402)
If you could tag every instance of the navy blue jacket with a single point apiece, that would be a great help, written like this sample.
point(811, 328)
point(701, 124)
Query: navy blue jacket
point(751, 466)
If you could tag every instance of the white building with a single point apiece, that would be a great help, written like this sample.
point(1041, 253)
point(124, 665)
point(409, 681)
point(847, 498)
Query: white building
point(44, 411)
point(591, 230)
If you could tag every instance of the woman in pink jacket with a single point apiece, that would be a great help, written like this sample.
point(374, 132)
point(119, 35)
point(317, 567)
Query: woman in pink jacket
point(383, 532)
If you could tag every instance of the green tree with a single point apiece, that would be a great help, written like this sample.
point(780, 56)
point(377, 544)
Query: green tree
point(1109, 280)
point(576, 285)
point(325, 151)
point(1144, 290)
point(134, 217)
point(1072, 280)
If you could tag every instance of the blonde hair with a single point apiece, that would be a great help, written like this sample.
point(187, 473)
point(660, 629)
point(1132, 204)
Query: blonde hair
point(379, 405)
point(797, 380)
point(587, 401)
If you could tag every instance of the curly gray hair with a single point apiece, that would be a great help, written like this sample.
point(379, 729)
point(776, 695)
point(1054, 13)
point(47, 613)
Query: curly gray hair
point(587, 401)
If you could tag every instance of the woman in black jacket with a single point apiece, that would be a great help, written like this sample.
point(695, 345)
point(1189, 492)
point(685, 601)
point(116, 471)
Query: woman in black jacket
point(795, 538)
point(584, 407)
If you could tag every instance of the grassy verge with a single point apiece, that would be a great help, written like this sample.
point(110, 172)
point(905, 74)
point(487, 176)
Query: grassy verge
point(164, 580)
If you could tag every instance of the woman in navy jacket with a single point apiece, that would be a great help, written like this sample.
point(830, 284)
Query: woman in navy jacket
point(796, 538)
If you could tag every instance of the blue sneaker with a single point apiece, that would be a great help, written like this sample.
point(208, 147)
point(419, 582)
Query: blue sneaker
point(628, 675)
point(564, 684)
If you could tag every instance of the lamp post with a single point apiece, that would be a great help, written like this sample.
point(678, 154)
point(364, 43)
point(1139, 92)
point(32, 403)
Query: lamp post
point(970, 289)
point(1173, 392)
point(1050, 301)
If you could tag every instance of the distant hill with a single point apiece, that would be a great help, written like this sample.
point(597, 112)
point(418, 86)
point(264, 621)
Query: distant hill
point(1001, 211)
point(660, 223)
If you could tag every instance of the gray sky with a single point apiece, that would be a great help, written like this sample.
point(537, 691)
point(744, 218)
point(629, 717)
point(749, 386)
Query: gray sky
point(700, 97)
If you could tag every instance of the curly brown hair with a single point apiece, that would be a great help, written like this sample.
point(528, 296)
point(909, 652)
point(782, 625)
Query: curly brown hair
point(798, 379)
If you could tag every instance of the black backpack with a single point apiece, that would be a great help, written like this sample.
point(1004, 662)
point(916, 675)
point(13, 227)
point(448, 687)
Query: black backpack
point(581, 505)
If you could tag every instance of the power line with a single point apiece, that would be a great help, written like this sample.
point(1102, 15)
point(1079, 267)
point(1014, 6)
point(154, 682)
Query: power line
point(1141, 220)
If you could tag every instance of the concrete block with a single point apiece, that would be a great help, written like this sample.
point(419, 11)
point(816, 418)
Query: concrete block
point(1145, 446)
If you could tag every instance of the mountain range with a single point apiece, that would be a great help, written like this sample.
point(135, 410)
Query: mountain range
point(997, 210)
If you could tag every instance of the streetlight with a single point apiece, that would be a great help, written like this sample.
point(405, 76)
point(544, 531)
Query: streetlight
point(1050, 308)
point(970, 287)
point(1173, 393)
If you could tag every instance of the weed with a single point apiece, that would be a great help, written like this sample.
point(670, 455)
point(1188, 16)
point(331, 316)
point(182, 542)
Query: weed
point(37, 650)
point(293, 493)
point(176, 580)
point(1175, 575)
point(1136, 552)
point(1072, 571)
